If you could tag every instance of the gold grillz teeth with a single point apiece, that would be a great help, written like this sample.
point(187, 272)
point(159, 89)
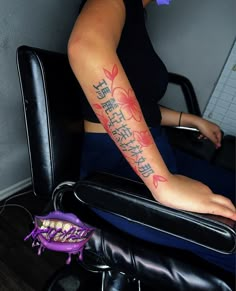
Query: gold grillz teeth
point(63, 231)
point(59, 225)
point(57, 237)
point(67, 227)
point(46, 223)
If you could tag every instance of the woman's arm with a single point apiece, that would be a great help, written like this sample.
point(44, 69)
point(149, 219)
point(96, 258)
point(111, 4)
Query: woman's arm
point(207, 129)
point(92, 54)
point(93, 58)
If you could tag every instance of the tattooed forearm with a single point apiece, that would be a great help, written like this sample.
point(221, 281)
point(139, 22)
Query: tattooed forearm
point(115, 108)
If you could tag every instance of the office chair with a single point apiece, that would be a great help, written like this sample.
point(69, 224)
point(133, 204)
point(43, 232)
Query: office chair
point(112, 258)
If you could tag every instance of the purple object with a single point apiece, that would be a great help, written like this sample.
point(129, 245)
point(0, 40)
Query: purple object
point(163, 2)
point(61, 232)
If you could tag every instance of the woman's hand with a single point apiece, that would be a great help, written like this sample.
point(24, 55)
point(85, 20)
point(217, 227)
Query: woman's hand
point(209, 130)
point(181, 192)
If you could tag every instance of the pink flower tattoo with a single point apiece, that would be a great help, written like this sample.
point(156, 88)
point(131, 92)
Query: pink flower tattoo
point(157, 179)
point(111, 75)
point(144, 138)
point(128, 103)
point(103, 118)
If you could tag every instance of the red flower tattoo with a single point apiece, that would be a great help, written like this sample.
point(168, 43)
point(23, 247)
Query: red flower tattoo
point(144, 138)
point(97, 106)
point(111, 75)
point(157, 178)
point(103, 118)
point(128, 102)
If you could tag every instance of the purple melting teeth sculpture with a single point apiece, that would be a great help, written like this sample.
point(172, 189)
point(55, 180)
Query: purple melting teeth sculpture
point(61, 232)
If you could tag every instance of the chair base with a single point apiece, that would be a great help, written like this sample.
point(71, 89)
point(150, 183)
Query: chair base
point(77, 278)
point(74, 278)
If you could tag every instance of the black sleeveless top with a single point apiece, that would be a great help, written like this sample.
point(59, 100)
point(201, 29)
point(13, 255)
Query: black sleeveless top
point(146, 72)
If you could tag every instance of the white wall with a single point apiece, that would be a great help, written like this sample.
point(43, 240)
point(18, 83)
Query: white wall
point(44, 24)
point(193, 38)
point(221, 107)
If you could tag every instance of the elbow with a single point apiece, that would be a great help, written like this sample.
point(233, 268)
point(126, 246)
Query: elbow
point(81, 51)
point(85, 49)
point(78, 57)
point(85, 52)
point(75, 50)
point(70, 48)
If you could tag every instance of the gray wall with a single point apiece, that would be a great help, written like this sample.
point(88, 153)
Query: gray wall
point(44, 24)
point(193, 38)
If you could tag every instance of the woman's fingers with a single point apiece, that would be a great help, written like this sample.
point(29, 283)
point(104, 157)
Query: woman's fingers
point(219, 135)
point(222, 206)
point(222, 210)
point(224, 202)
point(210, 130)
point(201, 136)
point(217, 138)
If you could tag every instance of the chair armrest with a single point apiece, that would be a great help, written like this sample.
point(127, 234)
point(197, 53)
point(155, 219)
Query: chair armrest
point(188, 91)
point(133, 201)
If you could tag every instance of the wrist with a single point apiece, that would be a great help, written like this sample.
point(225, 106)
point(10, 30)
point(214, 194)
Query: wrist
point(189, 120)
point(160, 188)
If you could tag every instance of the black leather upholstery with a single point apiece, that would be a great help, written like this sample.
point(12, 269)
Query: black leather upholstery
point(132, 200)
point(157, 266)
point(52, 112)
point(51, 103)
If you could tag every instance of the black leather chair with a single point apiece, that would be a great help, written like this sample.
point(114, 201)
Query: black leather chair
point(51, 98)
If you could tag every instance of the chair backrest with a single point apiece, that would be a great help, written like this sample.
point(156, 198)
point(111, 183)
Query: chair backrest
point(188, 91)
point(51, 101)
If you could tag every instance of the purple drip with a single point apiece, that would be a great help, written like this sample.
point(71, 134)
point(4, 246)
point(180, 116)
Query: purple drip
point(81, 254)
point(40, 250)
point(68, 261)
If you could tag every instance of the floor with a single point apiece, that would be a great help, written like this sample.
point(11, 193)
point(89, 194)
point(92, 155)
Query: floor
point(21, 269)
